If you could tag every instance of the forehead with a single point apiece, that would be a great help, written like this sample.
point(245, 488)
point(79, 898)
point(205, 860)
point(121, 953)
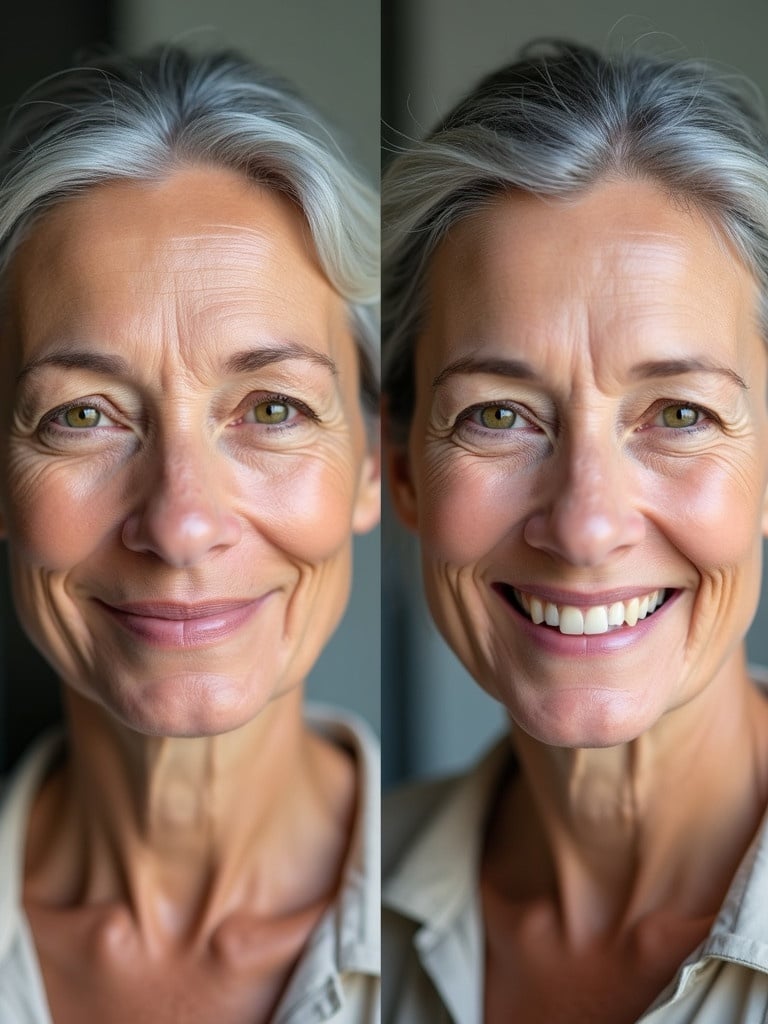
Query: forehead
point(623, 261)
point(206, 247)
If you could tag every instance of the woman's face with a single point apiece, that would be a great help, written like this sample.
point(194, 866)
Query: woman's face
point(184, 455)
point(590, 430)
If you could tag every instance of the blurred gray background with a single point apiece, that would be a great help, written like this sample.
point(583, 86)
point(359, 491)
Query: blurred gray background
point(435, 719)
point(331, 51)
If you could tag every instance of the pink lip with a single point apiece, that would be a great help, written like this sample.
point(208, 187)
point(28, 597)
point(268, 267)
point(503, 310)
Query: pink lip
point(554, 642)
point(167, 624)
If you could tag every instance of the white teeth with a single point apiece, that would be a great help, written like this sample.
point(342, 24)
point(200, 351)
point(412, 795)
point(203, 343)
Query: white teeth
point(591, 621)
point(596, 620)
point(631, 611)
point(616, 614)
point(571, 621)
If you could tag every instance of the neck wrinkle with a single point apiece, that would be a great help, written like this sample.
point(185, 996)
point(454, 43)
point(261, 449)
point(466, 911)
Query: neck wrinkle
point(183, 831)
point(619, 844)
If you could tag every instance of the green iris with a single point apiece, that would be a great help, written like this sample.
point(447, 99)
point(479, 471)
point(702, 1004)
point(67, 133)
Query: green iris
point(680, 416)
point(271, 412)
point(498, 417)
point(82, 416)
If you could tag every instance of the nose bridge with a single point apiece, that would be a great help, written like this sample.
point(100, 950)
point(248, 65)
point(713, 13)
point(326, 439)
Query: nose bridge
point(183, 511)
point(590, 508)
point(590, 479)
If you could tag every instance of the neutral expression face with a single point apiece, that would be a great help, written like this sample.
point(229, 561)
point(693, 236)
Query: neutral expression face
point(184, 455)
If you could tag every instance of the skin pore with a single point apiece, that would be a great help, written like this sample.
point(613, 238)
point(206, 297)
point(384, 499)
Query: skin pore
point(184, 467)
point(591, 426)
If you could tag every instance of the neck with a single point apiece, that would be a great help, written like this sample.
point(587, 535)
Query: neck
point(616, 834)
point(186, 831)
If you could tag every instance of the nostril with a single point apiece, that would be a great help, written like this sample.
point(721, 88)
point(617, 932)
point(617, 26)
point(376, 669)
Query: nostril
point(181, 533)
point(584, 536)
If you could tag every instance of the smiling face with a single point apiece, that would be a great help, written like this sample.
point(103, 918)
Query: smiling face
point(184, 454)
point(589, 443)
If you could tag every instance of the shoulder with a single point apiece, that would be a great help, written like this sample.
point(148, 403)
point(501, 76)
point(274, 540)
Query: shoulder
point(405, 812)
point(432, 843)
point(420, 817)
point(408, 814)
point(21, 995)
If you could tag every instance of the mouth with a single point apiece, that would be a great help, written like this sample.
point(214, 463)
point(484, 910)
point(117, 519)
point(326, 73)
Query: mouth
point(176, 612)
point(181, 626)
point(584, 619)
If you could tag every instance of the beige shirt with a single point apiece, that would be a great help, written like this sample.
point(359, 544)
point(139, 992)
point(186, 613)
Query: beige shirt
point(337, 978)
point(433, 932)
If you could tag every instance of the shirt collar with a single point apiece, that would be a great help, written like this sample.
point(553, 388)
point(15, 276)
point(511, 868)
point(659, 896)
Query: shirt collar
point(348, 938)
point(359, 918)
point(739, 932)
point(436, 879)
point(15, 807)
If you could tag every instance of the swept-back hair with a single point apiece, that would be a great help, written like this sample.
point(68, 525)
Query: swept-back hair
point(121, 118)
point(555, 123)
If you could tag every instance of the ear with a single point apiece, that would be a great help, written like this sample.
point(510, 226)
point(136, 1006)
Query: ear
point(401, 485)
point(367, 510)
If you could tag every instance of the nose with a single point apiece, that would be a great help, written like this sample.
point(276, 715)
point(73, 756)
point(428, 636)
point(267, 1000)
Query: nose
point(183, 514)
point(588, 513)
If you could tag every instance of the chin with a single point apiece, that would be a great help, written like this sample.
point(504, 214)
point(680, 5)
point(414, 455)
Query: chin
point(186, 705)
point(585, 719)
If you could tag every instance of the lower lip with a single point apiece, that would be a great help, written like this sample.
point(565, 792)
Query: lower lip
point(186, 633)
point(617, 640)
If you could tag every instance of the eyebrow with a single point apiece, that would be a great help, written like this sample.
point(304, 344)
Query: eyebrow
point(520, 370)
point(247, 361)
point(113, 366)
point(677, 367)
point(498, 367)
point(257, 358)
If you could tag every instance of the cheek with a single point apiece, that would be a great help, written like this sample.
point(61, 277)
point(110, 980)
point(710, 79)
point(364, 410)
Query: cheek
point(467, 506)
point(713, 512)
point(304, 508)
point(56, 517)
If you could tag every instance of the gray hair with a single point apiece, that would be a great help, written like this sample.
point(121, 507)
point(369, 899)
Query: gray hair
point(553, 124)
point(121, 118)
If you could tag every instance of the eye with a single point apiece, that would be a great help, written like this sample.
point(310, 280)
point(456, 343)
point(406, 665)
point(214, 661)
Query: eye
point(80, 417)
point(679, 415)
point(494, 417)
point(277, 411)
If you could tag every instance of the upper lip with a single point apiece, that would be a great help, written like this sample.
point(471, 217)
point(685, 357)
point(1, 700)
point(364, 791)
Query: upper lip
point(178, 611)
point(577, 598)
